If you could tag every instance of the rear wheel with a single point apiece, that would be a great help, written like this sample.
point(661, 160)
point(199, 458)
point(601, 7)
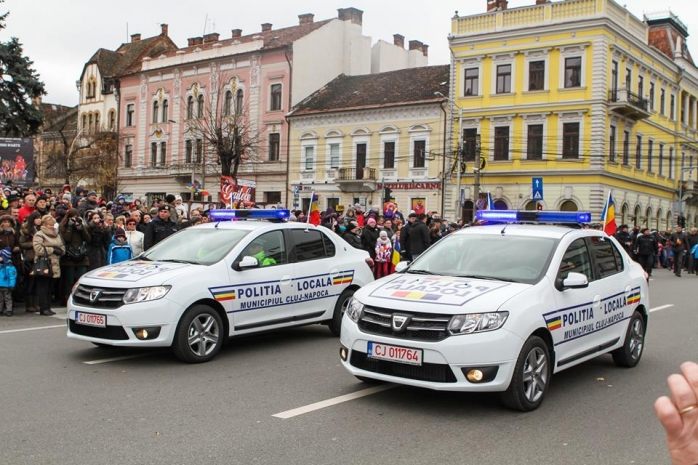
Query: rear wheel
point(199, 335)
point(630, 353)
point(340, 307)
point(531, 377)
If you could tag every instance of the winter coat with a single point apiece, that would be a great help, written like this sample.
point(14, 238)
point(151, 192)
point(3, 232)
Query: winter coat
point(75, 236)
point(85, 205)
point(353, 239)
point(118, 209)
point(26, 242)
point(159, 230)
point(61, 211)
point(46, 241)
point(24, 212)
point(10, 238)
point(119, 252)
point(419, 238)
point(136, 241)
point(645, 245)
point(678, 242)
point(96, 250)
point(369, 236)
point(8, 276)
point(384, 251)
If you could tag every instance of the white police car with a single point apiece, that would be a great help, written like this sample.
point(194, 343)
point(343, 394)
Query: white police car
point(216, 280)
point(500, 308)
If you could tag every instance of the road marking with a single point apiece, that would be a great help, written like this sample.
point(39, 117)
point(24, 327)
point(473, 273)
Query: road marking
point(31, 329)
point(661, 307)
point(116, 359)
point(334, 401)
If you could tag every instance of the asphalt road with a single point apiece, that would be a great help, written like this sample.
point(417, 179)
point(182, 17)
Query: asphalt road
point(68, 402)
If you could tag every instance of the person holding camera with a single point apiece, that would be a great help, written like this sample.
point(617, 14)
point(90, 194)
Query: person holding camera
point(47, 243)
point(75, 262)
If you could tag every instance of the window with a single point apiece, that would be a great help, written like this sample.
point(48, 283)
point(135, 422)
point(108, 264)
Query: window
point(570, 140)
point(153, 153)
point(501, 143)
point(389, 155)
point(309, 158)
point(683, 111)
point(641, 86)
point(652, 96)
point(156, 110)
point(275, 97)
point(274, 145)
point(536, 75)
point(84, 122)
point(239, 100)
point(200, 107)
point(91, 89)
point(334, 156)
point(628, 79)
point(503, 79)
point(470, 144)
point(190, 107)
point(614, 79)
point(165, 111)
point(310, 245)
point(128, 155)
point(228, 103)
point(672, 106)
point(607, 259)
point(612, 145)
point(273, 197)
point(576, 260)
point(130, 115)
point(534, 147)
point(273, 248)
point(163, 153)
point(472, 82)
point(573, 72)
point(626, 148)
point(660, 162)
point(97, 127)
point(419, 154)
point(199, 150)
point(662, 101)
point(89, 119)
point(638, 153)
point(188, 149)
point(650, 149)
point(112, 120)
point(670, 173)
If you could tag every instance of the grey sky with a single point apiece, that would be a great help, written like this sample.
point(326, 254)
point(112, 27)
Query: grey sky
point(60, 36)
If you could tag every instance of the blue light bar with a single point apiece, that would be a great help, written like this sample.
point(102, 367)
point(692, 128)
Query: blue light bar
point(253, 214)
point(504, 216)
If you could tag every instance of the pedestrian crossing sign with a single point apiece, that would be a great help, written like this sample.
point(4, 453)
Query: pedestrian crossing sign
point(537, 196)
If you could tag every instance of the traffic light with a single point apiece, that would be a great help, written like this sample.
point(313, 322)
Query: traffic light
point(539, 206)
point(387, 192)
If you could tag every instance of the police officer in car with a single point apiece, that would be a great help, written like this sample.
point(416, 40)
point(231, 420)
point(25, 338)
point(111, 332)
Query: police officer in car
point(256, 250)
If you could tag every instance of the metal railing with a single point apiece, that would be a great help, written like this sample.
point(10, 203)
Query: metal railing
point(625, 96)
point(356, 174)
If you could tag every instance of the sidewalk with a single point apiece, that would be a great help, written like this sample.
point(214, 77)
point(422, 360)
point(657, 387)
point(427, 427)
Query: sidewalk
point(20, 313)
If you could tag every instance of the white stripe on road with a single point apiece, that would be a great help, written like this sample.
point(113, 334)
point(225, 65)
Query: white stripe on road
point(661, 307)
point(31, 329)
point(334, 401)
point(124, 357)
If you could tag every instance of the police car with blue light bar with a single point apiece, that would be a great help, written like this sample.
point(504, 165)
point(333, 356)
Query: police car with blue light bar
point(230, 277)
point(500, 307)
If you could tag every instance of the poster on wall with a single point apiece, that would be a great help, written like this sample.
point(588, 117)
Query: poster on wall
point(16, 161)
point(419, 205)
point(237, 193)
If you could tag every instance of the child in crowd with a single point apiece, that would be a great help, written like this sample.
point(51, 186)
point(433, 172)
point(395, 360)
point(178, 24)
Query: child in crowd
point(119, 249)
point(384, 254)
point(8, 280)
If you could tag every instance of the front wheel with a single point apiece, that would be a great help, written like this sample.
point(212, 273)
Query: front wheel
point(339, 308)
point(630, 353)
point(199, 335)
point(531, 377)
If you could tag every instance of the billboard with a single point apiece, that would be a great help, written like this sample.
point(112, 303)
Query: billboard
point(237, 193)
point(16, 161)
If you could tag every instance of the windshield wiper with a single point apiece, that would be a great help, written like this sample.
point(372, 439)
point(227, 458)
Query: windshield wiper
point(423, 272)
point(143, 257)
point(175, 260)
point(488, 278)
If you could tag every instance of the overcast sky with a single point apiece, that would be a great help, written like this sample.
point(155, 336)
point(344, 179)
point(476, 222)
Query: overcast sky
point(60, 36)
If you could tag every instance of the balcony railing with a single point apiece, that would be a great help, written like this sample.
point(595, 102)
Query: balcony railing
point(628, 104)
point(356, 174)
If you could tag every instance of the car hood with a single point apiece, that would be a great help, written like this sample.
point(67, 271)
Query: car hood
point(135, 273)
point(438, 294)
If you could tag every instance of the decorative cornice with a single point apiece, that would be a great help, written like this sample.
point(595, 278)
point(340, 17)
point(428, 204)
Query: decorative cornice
point(420, 112)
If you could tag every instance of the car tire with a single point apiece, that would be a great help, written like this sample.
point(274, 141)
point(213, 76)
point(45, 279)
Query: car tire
point(630, 353)
point(363, 379)
point(199, 335)
point(340, 307)
point(531, 378)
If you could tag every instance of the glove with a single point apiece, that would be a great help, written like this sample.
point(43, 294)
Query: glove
point(58, 251)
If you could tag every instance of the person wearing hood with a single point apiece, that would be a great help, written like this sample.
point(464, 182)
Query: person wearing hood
point(63, 206)
point(74, 263)
point(119, 249)
point(48, 243)
point(359, 215)
point(119, 207)
point(180, 208)
point(373, 213)
point(369, 236)
point(384, 256)
point(351, 236)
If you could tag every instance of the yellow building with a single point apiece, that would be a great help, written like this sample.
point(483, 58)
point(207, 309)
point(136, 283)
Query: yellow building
point(582, 94)
point(360, 137)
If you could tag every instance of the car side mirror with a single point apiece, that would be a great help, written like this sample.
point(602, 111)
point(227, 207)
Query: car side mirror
point(401, 267)
point(248, 262)
point(572, 281)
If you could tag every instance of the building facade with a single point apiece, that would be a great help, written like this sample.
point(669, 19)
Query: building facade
point(582, 94)
point(362, 139)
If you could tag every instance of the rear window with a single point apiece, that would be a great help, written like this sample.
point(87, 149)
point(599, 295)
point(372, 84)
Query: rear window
point(606, 257)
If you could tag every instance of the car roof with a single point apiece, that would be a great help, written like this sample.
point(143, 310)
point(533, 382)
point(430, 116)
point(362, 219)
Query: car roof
point(531, 230)
point(253, 225)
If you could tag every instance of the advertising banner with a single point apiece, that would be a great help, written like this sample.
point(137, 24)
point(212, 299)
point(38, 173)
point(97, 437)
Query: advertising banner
point(237, 193)
point(16, 161)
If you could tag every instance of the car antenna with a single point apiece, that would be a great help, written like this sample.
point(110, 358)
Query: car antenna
point(504, 228)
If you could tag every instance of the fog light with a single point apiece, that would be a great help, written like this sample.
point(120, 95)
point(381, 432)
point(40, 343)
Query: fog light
point(147, 333)
point(142, 334)
point(343, 353)
point(474, 376)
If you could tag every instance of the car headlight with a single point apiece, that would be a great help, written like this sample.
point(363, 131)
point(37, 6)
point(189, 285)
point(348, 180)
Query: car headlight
point(144, 294)
point(477, 322)
point(354, 310)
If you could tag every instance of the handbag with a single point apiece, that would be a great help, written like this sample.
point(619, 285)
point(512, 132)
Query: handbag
point(76, 253)
point(42, 267)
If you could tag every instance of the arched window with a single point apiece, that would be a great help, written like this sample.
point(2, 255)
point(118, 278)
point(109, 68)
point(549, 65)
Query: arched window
point(190, 107)
point(165, 111)
point(84, 122)
point(156, 110)
point(227, 103)
point(97, 128)
point(239, 101)
point(500, 205)
point(200, 107)
point(531, 205)
point(568, 206)
point(636, 217)
point(89, 124)
point(112, 120)
point(623, 215)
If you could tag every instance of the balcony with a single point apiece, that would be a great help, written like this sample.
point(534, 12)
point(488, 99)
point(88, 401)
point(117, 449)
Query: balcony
point(628, 104)
point(356, 179)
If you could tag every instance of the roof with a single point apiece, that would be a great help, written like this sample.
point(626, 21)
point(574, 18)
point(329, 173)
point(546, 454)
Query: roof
point(664, 36)
point(127, 58)
point(533, 230)
point(406, 86)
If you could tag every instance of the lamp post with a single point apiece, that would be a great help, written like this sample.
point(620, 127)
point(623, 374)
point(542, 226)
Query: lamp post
point(459, 212)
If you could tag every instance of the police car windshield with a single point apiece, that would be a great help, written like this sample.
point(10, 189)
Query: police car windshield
point(196, 246)
point(510, 258)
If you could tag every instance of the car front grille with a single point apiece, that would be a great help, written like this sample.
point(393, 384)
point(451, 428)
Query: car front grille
point(434, 372)
point(428, 327)
point(104, 298)
point(115, 333)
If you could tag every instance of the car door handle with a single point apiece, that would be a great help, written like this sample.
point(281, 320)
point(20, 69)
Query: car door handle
point(286, 280)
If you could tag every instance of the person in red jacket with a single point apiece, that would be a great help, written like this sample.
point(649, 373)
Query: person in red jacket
point(28, 207)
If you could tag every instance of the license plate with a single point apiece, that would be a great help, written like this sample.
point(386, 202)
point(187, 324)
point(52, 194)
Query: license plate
point(394, 353)
point(90, 319)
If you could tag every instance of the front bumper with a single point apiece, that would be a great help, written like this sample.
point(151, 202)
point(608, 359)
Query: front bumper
point(443, 361)
point(122, 323)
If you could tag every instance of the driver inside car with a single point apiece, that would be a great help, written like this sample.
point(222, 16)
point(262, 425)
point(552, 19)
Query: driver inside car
point(256, 250)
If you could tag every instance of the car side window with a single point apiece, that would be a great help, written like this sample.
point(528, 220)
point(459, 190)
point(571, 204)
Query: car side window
point(576, 259)
point(330, 249)
point(308, 244)
point(607, 258)
point(269, 249)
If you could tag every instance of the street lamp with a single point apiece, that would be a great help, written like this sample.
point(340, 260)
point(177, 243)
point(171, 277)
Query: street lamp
point(460, 151)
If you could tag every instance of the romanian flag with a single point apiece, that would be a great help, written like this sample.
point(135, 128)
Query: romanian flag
point(314, 211)
point(345, 277)
point(634, 297)
point(223, 294)
point(490, 201)
point(395, 259)
point(554, 323)
point(412, 295)
point(608, 217)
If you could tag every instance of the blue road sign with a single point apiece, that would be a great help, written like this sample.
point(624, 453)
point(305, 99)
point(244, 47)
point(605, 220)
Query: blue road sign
point(537, 184)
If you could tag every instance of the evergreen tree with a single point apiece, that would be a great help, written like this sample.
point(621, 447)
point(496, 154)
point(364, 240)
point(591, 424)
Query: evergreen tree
point(19, 86)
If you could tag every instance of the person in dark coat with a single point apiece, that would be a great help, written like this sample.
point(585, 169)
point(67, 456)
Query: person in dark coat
point(405, 237)
point(645, 248)
point(351, 236)
point(96, 253)
point(678, 243)
point(88, 203)
point(9, 237)
point(160, 227)
point(74, 232)
point(369, 236)
point(26, 244)
point(419, 236)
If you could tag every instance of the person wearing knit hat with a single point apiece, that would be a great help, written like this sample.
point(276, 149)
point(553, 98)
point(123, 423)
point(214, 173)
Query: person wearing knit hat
point(67, 196)
point(119, 249)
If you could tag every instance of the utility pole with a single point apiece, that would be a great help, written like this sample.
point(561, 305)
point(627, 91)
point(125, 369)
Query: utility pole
point(477, 165)
point(459, 157)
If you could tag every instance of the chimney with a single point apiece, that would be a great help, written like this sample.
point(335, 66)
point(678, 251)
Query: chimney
point(497, 5)
point(416, 45)
point(305, 19)
point(425, 50)
point(266, 27)
point(237, 33)
point(542, 2)
point(164, 30)
point(399, 40)
point(212, 37)
point(135, 38)
point(195, 41)
point(350, 14)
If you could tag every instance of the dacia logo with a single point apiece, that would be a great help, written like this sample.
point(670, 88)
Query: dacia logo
point(94, 295)
point(400, 323)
